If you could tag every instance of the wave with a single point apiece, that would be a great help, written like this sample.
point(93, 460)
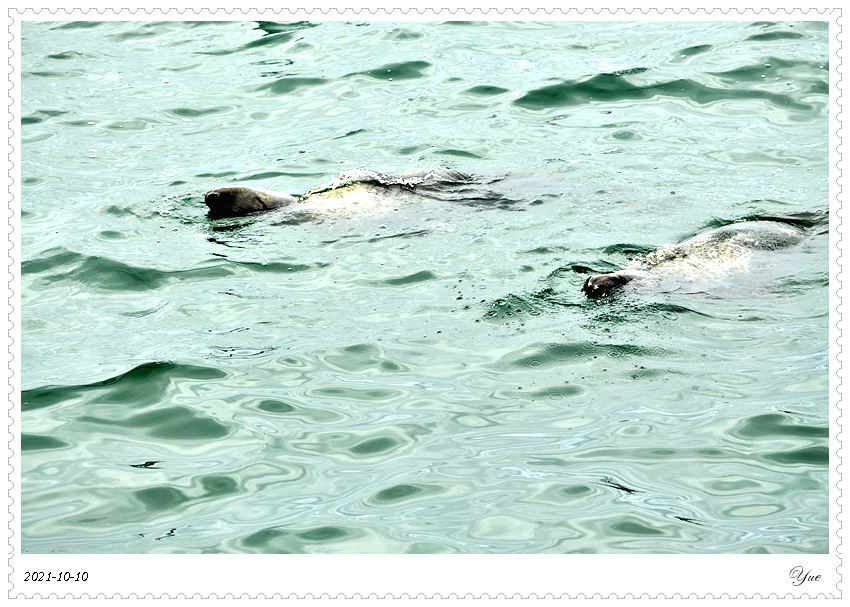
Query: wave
point(146, 383)
point(102, 273)
point(615, 87)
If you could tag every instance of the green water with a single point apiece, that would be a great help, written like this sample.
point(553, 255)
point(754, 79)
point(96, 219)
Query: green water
point(429, 378)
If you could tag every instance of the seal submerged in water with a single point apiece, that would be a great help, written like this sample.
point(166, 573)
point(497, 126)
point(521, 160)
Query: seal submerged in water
point(712, 255)
point(233, 201)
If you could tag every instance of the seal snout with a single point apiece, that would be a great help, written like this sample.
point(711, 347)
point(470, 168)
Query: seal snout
point(218, 203)
point(603, 285)
point(211, 198)
point(232, 201)
point(592, 289)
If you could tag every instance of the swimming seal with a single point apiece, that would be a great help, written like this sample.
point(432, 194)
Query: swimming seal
point(233, 201)
point(713, 254)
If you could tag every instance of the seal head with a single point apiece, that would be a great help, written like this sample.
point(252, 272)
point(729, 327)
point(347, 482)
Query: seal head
point(240, 200)
point(602, 285)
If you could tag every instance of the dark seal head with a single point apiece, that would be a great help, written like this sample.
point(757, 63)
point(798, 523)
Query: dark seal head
point(603, 285)
point(232, 201)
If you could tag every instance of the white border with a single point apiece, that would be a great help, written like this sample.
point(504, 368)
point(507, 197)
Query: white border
point(558, 576)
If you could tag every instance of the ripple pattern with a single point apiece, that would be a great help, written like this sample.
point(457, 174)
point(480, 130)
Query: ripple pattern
point(423, 375)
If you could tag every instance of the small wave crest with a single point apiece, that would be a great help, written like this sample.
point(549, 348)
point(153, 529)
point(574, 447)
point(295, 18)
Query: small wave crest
point(409, 180)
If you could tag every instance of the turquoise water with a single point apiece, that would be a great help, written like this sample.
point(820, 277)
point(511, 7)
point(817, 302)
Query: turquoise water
point(426, 378)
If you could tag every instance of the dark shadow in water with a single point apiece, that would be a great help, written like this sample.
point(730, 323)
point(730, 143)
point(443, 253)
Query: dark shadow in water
point(151, 464)
point(406, 70)
point(609, 482)
point(273, 34)
point(40, 442)
point(615, 87)
point(806, 220)
point(772, 425)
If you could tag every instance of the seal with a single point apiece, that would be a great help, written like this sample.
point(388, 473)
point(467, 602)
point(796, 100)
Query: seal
point(712, 255)
point(234, 201)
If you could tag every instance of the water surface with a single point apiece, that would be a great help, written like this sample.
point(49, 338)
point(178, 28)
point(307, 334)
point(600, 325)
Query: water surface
point(427, 378)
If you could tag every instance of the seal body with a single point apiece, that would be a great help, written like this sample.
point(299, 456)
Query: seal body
point(712, 256)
